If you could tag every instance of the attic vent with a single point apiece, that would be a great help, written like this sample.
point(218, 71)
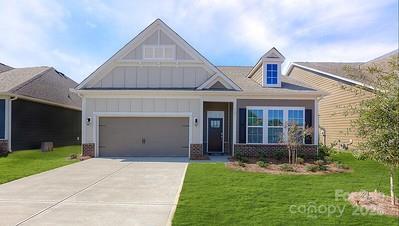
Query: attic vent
point(159, 52)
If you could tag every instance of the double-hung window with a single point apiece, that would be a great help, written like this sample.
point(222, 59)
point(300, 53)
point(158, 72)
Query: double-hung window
point(271, 74)
point(255, 126)
point(275, 130)
point(271, 125)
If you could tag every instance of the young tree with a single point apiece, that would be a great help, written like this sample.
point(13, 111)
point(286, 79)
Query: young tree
point(378, 118)
point(295, 138)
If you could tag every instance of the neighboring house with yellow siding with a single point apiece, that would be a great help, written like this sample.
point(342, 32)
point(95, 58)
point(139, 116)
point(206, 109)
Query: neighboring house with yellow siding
point(339, 80)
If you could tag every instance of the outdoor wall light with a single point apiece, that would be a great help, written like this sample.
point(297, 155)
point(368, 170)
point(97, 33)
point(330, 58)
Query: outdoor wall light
point(88, 121)
point(195, 121)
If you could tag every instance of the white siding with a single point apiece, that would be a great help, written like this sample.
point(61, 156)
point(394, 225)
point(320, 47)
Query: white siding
point(141, 105)
point(154, 39)
point(154, 77)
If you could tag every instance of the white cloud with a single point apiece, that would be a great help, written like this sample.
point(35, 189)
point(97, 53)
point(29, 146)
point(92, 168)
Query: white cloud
point(304, 30)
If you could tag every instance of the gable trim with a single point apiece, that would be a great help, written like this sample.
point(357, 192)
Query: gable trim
point(107, 66)
point(219, 78)
point(292, 65)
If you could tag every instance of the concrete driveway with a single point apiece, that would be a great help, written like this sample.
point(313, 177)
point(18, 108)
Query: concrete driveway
point(96, 192)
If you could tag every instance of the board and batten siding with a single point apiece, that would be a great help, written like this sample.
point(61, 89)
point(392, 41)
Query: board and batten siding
point(137, 77)
point(333, 117)
point(141, 105)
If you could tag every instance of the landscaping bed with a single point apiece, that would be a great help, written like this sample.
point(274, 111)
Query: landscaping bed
point(374, 201)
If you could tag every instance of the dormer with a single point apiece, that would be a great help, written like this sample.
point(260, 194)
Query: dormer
point(267, 72)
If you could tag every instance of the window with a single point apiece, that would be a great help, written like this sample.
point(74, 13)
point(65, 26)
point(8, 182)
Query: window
point(296, 117)
point(255, 126)
point(215, 124)
point(271, 74)
point(275, 126)
point(159, 52)
point(270, 125)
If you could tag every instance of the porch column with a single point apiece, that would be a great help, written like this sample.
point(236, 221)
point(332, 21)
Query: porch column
point(316, 122)
point(234, 125)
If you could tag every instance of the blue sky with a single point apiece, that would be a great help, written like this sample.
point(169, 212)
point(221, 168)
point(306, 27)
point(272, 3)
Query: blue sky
point(76, 37)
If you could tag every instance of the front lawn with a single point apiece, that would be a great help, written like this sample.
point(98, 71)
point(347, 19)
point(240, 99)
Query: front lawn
point(24, 163)
point(215, 195)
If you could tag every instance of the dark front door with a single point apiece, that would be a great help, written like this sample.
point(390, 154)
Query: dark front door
point(215, 134)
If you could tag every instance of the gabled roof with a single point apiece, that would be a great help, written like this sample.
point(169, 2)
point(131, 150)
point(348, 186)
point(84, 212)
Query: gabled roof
point(4, 67)
point(272, 55)
point(40, 83)
point(157, 24)
point(288, 85)
point(352, 72)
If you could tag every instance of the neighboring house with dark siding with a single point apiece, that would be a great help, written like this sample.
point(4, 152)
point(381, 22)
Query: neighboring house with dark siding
point(36, 105)
point(332, 77)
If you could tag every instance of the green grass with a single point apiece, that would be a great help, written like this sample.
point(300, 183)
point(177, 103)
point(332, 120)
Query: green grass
point(215, 195)
point(20, 164)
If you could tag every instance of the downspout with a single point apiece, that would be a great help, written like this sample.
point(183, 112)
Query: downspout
point(9, 124)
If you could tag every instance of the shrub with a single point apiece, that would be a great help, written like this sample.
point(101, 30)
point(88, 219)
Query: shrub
point(325, 151)
point(311, 168)
point(286, 167)
point(323, 168)
point(341, 165)
point(241, 163)
point(319, 162)
point(240, 157)
point(279, 155)
point(73, 156)
point(262, 164)
point(300, 160)
point(328, 159)
point(262, 156)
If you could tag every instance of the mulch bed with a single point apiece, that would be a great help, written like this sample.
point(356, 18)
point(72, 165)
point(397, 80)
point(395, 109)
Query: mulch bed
point(374, 201)
point(299, 169)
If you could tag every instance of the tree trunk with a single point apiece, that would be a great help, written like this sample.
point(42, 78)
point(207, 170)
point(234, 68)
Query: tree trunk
point(392, 188)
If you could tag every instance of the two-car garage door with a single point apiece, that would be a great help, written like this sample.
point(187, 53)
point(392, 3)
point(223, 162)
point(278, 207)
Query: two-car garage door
point(143, 136)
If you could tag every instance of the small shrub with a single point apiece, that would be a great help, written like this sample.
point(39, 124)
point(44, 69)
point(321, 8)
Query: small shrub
point(323, 168)
point(341, 166)
point(73, 156)
point(279, 155)
point(325, 150)
point(311, 168)
point(241, 163)
point(300, 160)
point(328, 159)
point(286, 167)
point(262, 156)
point(262, 164)
point(240, 157)
point(319, 162)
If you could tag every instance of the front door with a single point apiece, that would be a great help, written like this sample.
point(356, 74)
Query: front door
point(215, 135)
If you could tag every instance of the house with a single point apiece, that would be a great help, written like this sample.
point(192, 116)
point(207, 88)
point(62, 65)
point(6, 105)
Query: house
point(339, 80)
point(158, 96)
point(36, 105)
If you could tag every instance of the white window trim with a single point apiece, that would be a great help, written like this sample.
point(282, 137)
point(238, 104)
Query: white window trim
point(173, 58)
point(265, 121)
point(264, 74)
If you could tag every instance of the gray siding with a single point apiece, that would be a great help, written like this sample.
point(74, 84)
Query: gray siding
point(153, 77)
point(2, 119)
point(33, 123)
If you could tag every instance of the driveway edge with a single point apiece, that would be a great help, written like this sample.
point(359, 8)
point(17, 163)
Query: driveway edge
point(173, 210)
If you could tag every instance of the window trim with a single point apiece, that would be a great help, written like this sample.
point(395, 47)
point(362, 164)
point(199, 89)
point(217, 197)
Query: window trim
point(264, 74)
point(272, 73)
point(173, 58)
point(262, 126)
point(265, 125)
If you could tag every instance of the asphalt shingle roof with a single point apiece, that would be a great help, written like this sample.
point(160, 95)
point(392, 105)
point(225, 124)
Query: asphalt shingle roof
point(44, 83)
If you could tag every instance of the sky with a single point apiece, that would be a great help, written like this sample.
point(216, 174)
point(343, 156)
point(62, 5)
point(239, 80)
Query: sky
point(76, 37)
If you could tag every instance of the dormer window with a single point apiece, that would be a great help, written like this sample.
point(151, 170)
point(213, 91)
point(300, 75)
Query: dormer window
point(271, 74)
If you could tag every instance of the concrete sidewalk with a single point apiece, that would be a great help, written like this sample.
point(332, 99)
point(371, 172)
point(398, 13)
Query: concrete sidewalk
point(96, 192)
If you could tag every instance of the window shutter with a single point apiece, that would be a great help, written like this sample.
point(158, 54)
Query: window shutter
point(242, 131)
point(308, 123)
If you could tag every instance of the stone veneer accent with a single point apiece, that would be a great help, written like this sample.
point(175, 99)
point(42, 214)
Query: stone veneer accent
point(3, 147)
point(88, 149)
point(307, 151)
point(196, 151)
